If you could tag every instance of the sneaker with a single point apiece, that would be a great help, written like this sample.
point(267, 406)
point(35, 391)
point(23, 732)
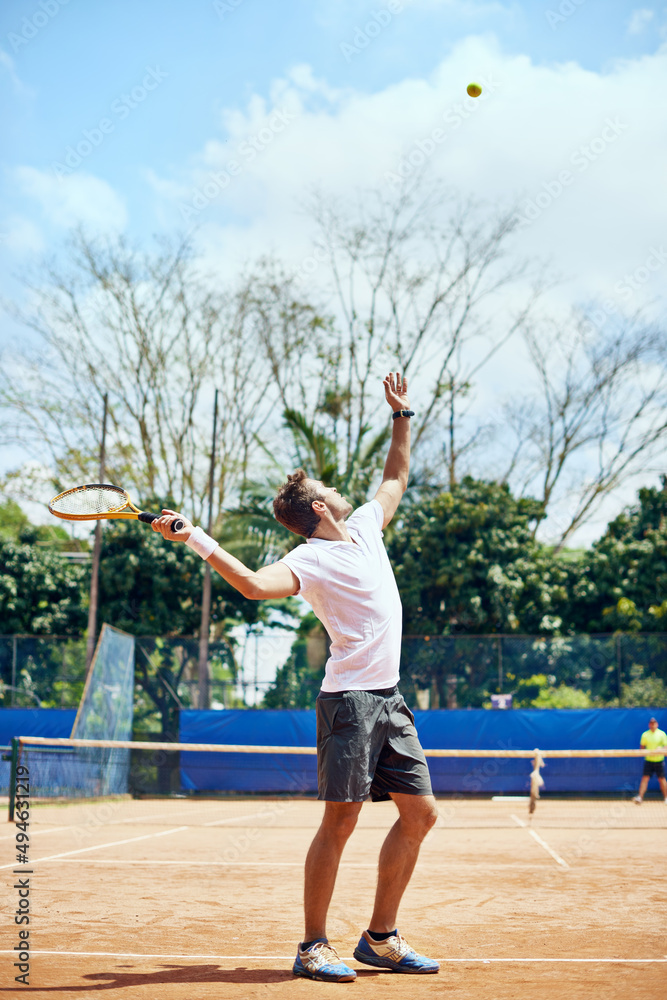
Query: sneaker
point(637, 800)
point(393, 953)
point(321, 961)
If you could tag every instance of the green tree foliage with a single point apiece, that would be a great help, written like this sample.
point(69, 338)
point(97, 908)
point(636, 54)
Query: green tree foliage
point(540, 691)
point(322, 457)
point(15, 526)
point(298, 681)
point(151, 587)
point(40, 593)
point(44, 670)
point(13, 521)
point(643, 689)
point(623, 583)
point(166, 678)
point(466, 561)
point(320, 454)
point(41, 596)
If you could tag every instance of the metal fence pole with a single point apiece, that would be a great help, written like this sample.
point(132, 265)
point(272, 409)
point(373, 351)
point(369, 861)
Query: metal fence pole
point(97, 548)
point(500, 664)
point(14, 644)
point(204, 669)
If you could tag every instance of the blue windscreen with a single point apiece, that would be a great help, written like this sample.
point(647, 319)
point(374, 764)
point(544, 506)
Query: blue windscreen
point(516, 729)
point(15, 722)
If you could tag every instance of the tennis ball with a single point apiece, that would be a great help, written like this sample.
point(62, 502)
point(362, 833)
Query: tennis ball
point(474, 89)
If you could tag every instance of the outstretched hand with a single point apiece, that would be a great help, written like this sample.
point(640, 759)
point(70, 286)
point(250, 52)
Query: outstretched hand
point(396, 391)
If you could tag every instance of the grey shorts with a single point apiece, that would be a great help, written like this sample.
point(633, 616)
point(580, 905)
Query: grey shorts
point(367, 744)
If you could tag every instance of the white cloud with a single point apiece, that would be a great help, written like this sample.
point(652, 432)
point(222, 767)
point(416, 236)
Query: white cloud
point(512, 145)
point(532, 123)
point(167, 189)
point(638, 20)
point(20, 235)
point(78, 198)
point(302, 75)
point(7, 64)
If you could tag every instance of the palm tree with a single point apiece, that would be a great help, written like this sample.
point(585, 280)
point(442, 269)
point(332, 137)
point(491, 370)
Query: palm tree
point(318, 454)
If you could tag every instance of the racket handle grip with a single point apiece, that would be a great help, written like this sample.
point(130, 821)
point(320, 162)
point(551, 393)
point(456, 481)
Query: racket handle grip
point(149, 518)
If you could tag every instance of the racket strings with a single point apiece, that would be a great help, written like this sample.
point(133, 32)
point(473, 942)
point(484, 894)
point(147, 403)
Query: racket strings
point(90, 500)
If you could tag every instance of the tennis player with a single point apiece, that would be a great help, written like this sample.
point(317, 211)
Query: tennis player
point(367, 744)
point(652, 739)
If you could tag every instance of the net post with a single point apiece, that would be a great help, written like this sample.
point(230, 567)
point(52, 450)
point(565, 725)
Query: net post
point(13, 767)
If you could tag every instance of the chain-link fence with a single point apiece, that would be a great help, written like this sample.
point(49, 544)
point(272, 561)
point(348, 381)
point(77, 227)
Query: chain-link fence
point(41, 671)
point(174, 662)
point(436, 671)
point(465, 671)
point(49, 671)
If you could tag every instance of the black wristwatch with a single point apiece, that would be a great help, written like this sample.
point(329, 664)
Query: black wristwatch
point(403, 413)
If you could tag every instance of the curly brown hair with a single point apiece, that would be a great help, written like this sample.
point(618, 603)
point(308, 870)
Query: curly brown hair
point(293, 505)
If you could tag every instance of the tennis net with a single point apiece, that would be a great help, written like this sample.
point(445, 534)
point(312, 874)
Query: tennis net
point(44, 768)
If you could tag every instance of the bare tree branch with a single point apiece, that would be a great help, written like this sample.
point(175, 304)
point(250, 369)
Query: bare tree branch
point(601, 415)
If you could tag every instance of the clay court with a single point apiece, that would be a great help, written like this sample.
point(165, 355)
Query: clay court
point(183, 898)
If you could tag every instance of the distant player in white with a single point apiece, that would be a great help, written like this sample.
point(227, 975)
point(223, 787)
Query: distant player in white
point(366, 740)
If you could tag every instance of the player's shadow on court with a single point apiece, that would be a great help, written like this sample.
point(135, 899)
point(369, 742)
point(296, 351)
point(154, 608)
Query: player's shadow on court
point(172, 975)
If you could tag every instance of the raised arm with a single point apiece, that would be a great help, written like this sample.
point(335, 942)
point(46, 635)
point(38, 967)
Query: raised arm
point(397, 466)
point(276, 580)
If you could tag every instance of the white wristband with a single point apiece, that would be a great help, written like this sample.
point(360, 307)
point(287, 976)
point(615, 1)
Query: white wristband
point(201, 543)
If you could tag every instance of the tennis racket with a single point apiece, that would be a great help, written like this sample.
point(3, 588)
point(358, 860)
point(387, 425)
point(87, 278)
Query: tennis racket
point(96, 501)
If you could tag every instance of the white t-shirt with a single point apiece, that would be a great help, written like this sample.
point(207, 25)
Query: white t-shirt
point(351, 588)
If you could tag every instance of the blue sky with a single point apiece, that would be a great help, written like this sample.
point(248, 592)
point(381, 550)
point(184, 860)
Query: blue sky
point(159, 98)
point(65, 79)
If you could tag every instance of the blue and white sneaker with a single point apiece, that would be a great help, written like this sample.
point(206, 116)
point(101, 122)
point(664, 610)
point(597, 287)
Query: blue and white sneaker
point(321, 961)
point(393, 953)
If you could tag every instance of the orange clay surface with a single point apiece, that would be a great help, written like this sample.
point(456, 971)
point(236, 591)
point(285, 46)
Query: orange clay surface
point(175, 899)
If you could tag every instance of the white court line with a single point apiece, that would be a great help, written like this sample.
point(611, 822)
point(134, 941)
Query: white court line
point(290, 958)
point(99, 847)
point(225, 864)
point(138, 820)
point(34, 828)
point(120, 862)
point(32, 832)
point(557, 858)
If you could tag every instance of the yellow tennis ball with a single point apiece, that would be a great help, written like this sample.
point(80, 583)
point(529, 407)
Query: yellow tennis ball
point(474, 89)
